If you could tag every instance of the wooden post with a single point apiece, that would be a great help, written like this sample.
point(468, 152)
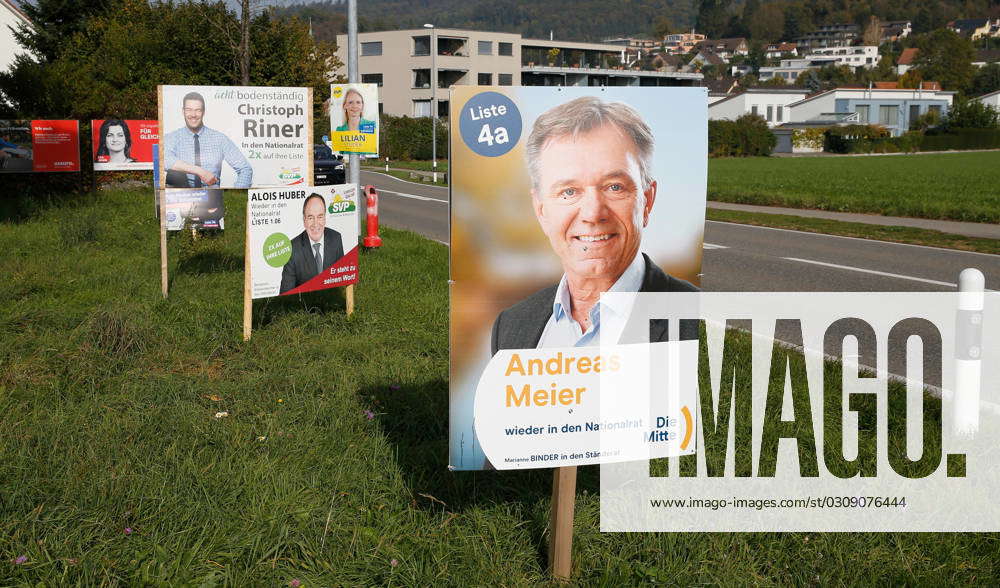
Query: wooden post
point(561, 522)
point(163, 200)
point(350, 300)
point(247, 294)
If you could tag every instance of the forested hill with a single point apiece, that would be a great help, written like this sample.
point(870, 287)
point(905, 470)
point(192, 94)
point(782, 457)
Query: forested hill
point(568, 20)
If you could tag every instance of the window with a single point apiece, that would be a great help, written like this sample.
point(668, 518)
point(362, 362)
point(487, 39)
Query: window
point(780, 113)
point(421, 78)
point(914, 112)
point(505, 79)
point(888, 115)
point(421, 108)
point(506, 49)
point(935, 108)
point(485, 79)
point(372, 48)
point(862, 112)
point(372, 79)
point(486, 47)
point(770, 113)
point(422, 45)
point(753, 110)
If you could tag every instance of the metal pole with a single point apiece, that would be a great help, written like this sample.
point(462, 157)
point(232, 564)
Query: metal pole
point(434, 102)
point(354, 160)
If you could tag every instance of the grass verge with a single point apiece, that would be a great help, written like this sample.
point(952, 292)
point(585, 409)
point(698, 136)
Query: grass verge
point(421, 165)
point(955, 186)
point(911, 235)
point(402, 175)
point(329, 465)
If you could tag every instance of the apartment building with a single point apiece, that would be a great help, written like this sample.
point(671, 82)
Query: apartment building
point(10, 18)
point(771, 104)
point(832, 35)
point(855, 57)
point(401, 63)
point(892, 108)
point(682, 42)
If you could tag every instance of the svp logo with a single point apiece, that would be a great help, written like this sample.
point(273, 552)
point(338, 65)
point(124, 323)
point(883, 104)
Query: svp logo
point(291, 177)
point(338, 91)
point(341, 204)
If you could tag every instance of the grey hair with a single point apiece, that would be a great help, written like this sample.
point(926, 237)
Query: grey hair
point(585, 114)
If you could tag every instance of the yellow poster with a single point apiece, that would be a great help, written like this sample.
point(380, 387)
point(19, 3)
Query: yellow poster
point(354, 118)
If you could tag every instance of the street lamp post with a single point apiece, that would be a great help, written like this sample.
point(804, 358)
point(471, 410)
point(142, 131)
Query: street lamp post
point(434, 105)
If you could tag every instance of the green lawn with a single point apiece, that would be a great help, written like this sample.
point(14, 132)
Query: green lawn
point(957, 186)
point(442, 164)
point(117, 471)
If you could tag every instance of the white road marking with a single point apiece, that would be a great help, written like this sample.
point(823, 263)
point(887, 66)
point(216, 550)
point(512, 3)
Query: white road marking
point(961, 251)
point(414, 196)
point(877, 273)
point(713, 246)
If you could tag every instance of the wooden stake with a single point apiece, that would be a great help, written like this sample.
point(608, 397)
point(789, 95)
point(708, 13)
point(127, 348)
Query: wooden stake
point(561, 522)
point(163, 201)
point(247, 298)
point(350, 300)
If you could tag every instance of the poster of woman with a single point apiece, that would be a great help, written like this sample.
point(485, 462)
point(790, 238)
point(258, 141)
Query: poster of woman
point(354, 118)
point(121, 145)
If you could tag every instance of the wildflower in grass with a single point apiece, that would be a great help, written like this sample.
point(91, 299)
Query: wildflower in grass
point(295, 583)
point(262, 438)
point(20, 560)
point(369, 414)
point(128, 531)
point(394, 562)
point(221, 415)
point(280, 400)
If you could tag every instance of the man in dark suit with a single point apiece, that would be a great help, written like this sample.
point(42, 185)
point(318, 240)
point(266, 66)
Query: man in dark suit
point(592, 194)
point(314, 249)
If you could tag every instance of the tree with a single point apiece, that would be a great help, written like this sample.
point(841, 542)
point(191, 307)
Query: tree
point(986, 80)
point(54, 22)
point(712, 17)
point(767, 23)
point(663, 27)
point(946, 57)
point(774, 82)
point(872, 32)
point(972, 114)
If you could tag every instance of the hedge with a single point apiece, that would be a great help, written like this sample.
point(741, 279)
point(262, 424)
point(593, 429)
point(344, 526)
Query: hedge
point(403, 137)
point(876, 139)
point(746, 136)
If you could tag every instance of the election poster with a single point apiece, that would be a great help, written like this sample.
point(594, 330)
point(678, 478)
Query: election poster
point(123, 145)
point(559, 194)
point(235, 137)
point(39, 146)
point(193, 208)
point(302, 239)
point(354, 118)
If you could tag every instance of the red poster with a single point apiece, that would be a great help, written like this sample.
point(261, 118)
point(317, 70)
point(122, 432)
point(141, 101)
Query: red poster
point(55, 145)
point(124, 144)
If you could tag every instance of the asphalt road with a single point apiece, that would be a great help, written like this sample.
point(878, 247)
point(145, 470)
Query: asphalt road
point(742, 258)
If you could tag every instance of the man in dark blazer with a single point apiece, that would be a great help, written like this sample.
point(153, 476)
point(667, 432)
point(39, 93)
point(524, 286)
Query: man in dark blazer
point(314, 249)
point(589, 162)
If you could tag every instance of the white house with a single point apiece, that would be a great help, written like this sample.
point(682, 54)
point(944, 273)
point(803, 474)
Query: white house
point(893, 108)
point(769, 103)
point(10, 17)
point(991, 99)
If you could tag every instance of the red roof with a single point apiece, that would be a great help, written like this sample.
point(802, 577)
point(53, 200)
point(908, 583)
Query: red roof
point(907, 56)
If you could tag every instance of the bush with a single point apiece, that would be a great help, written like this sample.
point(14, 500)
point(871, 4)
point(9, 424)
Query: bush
point(853, 138)
point(403, 137)
point(972, 114)
point(961, 139)
point(747, 136)
point(812, 138)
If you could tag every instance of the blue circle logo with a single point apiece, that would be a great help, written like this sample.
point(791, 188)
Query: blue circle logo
point(490, 124)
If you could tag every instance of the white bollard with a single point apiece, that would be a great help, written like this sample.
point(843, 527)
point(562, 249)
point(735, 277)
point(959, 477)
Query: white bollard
point(968, 352)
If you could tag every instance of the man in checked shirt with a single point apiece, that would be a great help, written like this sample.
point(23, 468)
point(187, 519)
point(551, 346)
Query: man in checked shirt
point(198, 151)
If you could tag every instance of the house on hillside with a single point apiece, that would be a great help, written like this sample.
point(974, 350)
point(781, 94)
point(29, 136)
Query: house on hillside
point(894, 30)
point(779, 50)
point(906, 60)
point(771, 104)
point(891, 107)
point(832, 35)
point(11, 17)
point(985, 56)
point(721, 88)
point(724, 48)
point(682, 42)
point(791, 69)
point(668, 62)
point(707, 57)
point(991, 99)
point(972, 28)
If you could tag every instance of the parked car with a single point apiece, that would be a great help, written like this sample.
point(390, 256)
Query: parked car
point(327, 168)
